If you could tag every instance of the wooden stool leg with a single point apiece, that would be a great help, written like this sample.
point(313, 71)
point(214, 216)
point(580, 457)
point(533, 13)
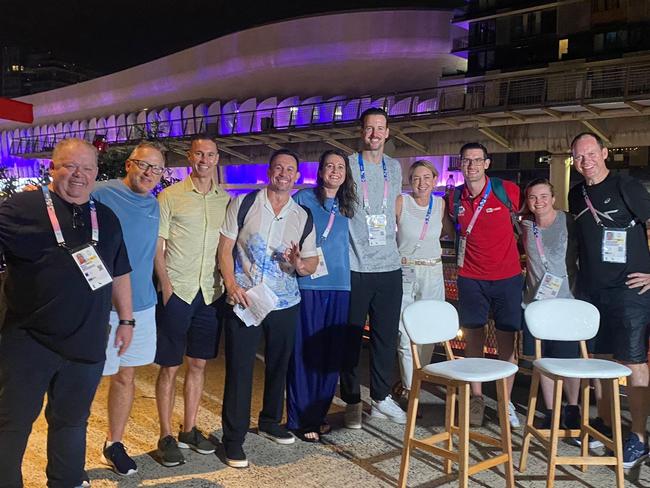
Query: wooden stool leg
point(555, 427)
point(450, 419)
point(584, 421)
point(615, 405)
point(463, 437)
point(530, 418)
point(504, 422)
point(411, 414)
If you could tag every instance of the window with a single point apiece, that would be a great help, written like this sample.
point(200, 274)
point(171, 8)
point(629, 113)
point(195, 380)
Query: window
point(562, 48)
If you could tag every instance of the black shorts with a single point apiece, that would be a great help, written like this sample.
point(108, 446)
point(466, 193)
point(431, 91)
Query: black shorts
point(186, 329)
point(477, 297)
point(550, 349)
point(624, 320)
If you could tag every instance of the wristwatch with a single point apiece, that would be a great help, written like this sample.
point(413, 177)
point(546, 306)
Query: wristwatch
point(127, 322)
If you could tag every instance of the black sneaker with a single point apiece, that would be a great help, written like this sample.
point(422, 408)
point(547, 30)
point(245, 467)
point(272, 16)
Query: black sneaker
point(634, 451)
point(277, 433)
point(235, 457)
point(195, 440)
point(116, 457)
point(546, 420)
point(170, 454)
point(85, 480)
point(571, 417)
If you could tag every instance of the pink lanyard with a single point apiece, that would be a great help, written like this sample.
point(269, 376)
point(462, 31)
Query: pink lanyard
point(330, 222)
point(58, 233)
point(594, 212)
point(364, 185)
point(479, 208)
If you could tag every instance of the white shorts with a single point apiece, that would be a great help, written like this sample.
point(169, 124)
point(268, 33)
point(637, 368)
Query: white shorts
point(143, 346)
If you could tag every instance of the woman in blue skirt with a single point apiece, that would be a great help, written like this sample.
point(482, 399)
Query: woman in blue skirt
point(325, 299)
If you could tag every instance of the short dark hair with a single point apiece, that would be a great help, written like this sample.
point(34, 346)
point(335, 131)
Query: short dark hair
point(600, 142)
point(202, 137)
point(474, 145)
point(288, 152)
point(373, 111)
point(539, 181)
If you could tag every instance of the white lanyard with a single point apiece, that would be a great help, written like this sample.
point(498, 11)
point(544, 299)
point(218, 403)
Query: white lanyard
point(58, 233)
point(540, 245)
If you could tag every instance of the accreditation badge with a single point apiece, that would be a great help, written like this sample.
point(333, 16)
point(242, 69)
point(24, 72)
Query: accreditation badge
point(377, 229)
point(549, 287)
point(321, 269)
point(614, 248)
point(92, 267)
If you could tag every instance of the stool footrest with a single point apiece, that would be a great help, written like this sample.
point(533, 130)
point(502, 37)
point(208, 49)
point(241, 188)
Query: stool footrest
point(487, 464)
point(575, 460)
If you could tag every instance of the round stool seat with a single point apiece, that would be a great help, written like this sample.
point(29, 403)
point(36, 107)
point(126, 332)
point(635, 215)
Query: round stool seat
point(472, 369)
point(582, 368)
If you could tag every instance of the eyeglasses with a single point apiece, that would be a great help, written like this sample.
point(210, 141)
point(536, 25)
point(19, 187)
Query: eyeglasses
point(144, 166)
point(77, 217)
point(469, 162)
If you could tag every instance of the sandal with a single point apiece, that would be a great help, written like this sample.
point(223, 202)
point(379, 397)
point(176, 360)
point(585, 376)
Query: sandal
point(308, 435)
point(325, 428)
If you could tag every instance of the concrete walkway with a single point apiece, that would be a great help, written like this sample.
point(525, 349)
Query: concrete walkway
point(366, 458)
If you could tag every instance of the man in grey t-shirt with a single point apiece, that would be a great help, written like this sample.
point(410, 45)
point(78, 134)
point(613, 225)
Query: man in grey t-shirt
point(376, 277)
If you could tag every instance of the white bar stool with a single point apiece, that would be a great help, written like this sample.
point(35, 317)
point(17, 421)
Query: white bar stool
point(433, 321)
point(564, 319)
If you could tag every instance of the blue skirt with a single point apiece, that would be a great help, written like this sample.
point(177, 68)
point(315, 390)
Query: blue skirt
point(316, 360)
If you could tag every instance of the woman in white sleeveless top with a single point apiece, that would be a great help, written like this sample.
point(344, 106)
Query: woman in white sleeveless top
point(419, 247)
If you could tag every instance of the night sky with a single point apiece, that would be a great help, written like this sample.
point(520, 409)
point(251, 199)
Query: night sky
point(108, 36)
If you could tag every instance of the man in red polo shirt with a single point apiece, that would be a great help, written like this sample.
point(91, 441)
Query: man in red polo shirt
point(489, 274)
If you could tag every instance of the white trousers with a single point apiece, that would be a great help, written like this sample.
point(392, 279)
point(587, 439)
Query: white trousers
point(428, 285)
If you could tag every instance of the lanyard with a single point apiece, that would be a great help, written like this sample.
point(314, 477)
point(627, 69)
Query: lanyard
point(330, 222)
point(595, 212)
point(58, 233)
point(427, 218)
point(479, 209)
point(364, 185)
point(540, 245)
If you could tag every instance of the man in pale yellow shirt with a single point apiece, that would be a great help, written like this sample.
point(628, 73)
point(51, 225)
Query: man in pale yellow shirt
point(191, 214)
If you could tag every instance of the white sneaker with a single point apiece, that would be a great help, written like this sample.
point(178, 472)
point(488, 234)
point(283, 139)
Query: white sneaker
point(388, 409)
point(512, 416)
point(352, 417)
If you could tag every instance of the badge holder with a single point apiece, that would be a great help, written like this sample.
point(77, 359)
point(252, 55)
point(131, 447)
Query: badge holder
point(614, 245)
point(549, 287)
point(377, 224)
point(321, 269)
point(91, 266)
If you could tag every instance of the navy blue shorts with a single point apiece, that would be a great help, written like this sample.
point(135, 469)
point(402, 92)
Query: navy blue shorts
point(550, 349)
point(477, 297)
point(186, 329)
point(624, 324)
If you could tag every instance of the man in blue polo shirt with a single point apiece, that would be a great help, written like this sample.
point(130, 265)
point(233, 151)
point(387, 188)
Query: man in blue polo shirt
point(137, 209)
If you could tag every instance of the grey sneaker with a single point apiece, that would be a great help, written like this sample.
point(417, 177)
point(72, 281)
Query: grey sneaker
point(169, 453)
point(195, 440)
point(352, 417)
point(476, 411)
point(388, 409)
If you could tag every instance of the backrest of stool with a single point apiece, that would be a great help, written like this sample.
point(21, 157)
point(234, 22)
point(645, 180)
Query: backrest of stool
point(430, 321)
point(562, 319)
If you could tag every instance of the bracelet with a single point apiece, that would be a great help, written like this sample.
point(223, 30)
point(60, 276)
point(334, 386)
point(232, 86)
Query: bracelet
point(127, 322)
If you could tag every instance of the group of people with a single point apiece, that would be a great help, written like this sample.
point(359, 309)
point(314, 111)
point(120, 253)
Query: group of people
point(304, 272)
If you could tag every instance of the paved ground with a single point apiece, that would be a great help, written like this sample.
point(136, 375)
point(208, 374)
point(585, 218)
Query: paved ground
point(366, 458)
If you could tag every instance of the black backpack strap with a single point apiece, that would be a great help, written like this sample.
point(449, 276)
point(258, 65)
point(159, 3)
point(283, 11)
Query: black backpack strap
point(458, 191)
point(309, 225)
point(500, 192)
point(246, 204)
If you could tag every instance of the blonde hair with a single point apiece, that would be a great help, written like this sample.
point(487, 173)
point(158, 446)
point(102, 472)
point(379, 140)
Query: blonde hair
point(423, 163)
point(72, 141)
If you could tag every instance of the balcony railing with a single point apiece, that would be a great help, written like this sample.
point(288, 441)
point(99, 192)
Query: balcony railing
point(588, 86)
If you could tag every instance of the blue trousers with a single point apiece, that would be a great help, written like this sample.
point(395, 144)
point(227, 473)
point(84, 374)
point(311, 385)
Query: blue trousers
point(28, 371)
point(317, 354)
